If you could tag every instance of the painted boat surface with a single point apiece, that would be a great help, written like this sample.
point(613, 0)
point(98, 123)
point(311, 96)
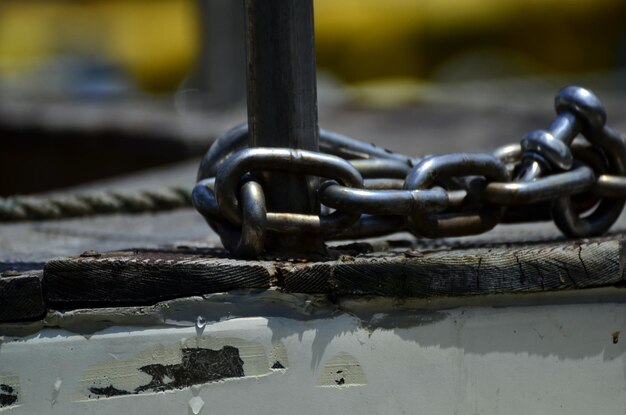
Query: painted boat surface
point(277, 353)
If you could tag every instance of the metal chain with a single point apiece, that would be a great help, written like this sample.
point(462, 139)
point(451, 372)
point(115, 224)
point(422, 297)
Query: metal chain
point(368, 191)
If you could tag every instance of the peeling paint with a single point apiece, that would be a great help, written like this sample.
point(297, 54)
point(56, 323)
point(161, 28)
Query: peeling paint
point(9, 391)
point(342, 370)
point(461, 363)
point(195, 361)
point(198, 366)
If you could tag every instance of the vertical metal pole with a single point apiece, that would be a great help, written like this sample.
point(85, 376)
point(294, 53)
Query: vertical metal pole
point(282, 102)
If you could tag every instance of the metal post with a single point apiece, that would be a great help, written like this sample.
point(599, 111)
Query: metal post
point(282, 103)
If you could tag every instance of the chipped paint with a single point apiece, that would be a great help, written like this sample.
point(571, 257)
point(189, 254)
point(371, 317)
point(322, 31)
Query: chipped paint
point(9, 391)
point(278, 356)
point(342, 370)
point(195, 405)
point(458, 361)
point(372, 311)
point(55, 391)
point(194, 361)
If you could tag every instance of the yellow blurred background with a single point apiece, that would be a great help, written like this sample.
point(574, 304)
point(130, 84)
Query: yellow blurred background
point(156, 42)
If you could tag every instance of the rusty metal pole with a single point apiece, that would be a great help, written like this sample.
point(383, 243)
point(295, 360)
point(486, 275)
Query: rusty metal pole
point(282, 104)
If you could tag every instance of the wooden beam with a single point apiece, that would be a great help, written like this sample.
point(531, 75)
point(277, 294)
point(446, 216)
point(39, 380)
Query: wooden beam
point(146, 277)
point(21, 296)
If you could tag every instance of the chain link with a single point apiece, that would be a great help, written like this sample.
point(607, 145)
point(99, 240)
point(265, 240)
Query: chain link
point(367, 191)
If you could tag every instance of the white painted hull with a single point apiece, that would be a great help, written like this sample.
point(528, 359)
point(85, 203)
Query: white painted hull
point(531, 359)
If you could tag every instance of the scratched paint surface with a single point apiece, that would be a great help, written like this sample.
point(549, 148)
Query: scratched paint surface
point(562, 360)
point(342, 370)
point(194, 361)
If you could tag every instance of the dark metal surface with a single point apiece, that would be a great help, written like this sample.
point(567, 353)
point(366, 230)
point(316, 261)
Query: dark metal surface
point(339, 145)
point(248, 242)
point(602, 217)
point(579, 111)
point(433, 170)
point(543, 189)
point(382, 168)
point(579, 184)
point(282, 103)
point(218, 200)
point(613, 187)
point(383, 202)
point(545, 150)
point(298, 162)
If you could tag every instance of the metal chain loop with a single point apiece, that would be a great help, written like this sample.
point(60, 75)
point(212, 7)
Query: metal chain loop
point(287, 160)
point(370, 191)
point(455, 223)
point(382, 202)
point(607, 211)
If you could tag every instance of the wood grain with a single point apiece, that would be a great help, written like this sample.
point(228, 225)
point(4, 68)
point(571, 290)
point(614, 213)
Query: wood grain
point(135, 278)
point(489, 270)
point(21, 297)
point(125, 278)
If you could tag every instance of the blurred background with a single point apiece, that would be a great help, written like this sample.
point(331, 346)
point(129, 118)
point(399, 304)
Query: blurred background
point(91, 89)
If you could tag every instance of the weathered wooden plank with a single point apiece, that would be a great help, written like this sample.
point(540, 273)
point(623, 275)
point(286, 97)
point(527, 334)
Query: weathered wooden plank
point(489, 270)
point(124, 278)
point(21, 296)
point(313, 278)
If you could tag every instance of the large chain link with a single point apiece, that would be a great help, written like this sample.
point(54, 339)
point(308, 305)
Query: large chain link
point(367, 191)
